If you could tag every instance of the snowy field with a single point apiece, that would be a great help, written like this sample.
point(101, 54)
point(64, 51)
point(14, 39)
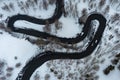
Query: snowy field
point(16, 50)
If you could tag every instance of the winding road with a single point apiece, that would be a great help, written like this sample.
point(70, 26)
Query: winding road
point(41, 58)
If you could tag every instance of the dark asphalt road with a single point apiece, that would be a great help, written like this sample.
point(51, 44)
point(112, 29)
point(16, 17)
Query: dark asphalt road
point(57, 14)
point(41, 58)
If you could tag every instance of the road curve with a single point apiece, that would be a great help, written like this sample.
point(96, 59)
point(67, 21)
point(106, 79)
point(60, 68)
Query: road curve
point(57, 14)
point(41, 58)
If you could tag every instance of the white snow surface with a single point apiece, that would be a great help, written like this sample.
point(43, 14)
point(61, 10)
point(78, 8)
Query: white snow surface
point(11, 46)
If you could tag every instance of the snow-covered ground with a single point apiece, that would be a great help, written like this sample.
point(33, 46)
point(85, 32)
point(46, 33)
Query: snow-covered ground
point(15, 50)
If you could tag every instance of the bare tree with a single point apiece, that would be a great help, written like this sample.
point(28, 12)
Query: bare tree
point(58, 24)
point(6, 7)
point(45, 5)
point(102, 3)
point(47, 77)
point(36, 1)
point(37, 76)
point(82, 19)
point(52, 1)
point(11, 5)
point(47, 27)
point(107, 9)
point(115, 17)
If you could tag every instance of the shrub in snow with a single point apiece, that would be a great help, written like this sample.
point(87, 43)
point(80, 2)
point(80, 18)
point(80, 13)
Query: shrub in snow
point(4, 71)
point(115, 61)
point(9, 69)
point(52, 1)
point(47, 77)
point(45, 5)
point(36, 76)
point(115, 18)
point(58, 25)
point(8, 75)
point(47, 27)
point(102, 3)
point(3, 78)
point(6, 7)
point(11, 5)
point(36, 1)
point(119, 67)
point(18, 65)
point(2, 65)
point(2, 26)
point(118, 56)
point(109, 69)
point(106, 9)
point(40, 42)
point(83, 18)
